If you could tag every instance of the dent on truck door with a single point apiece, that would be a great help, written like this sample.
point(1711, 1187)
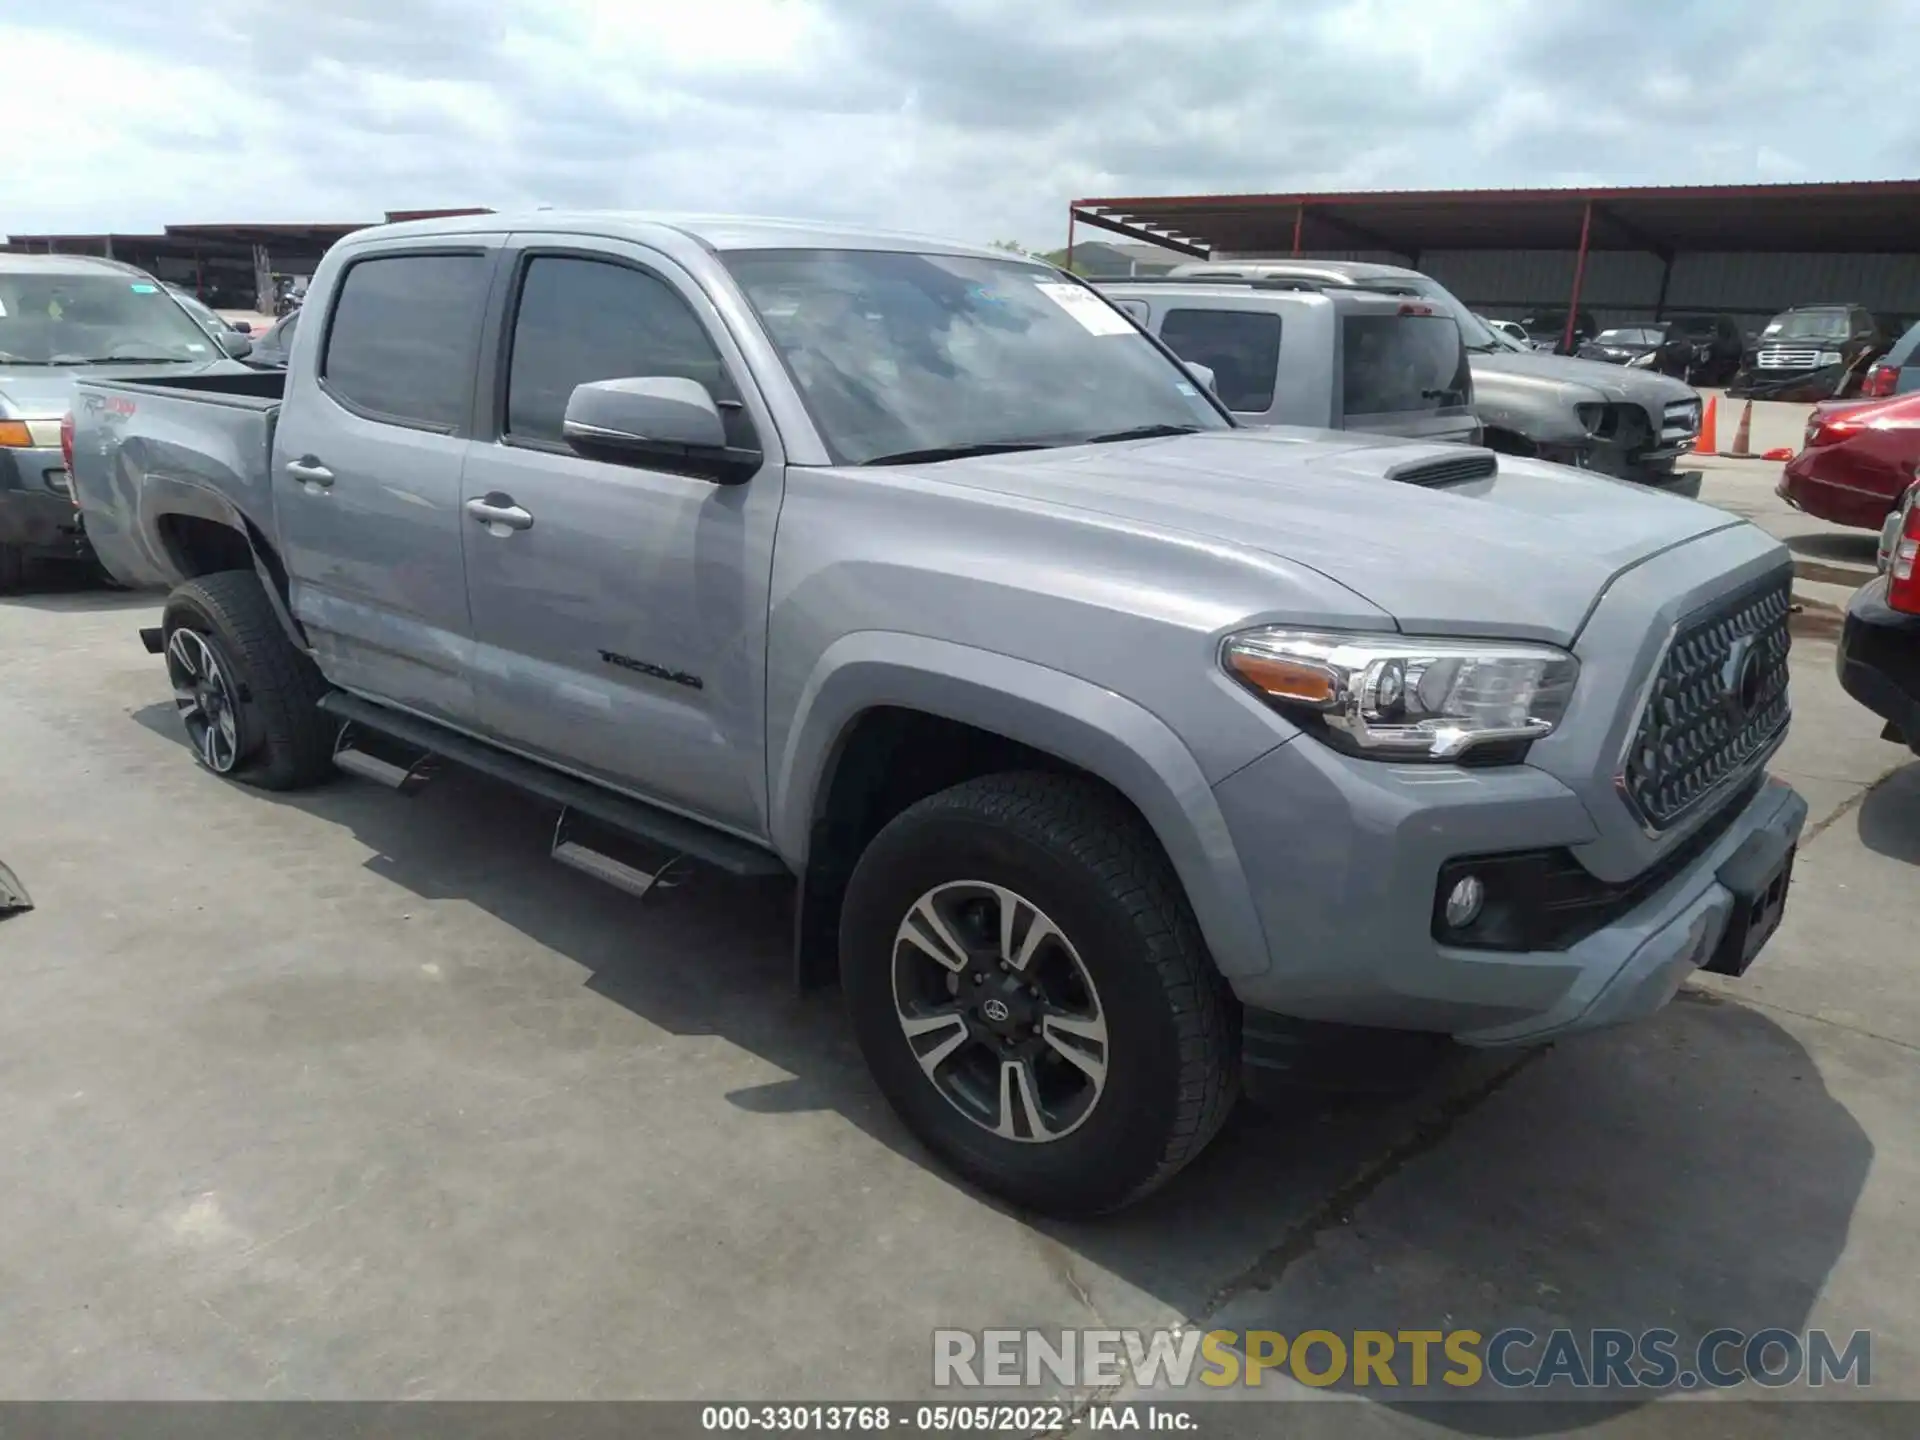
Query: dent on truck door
point(619, 611)
point(372, 438)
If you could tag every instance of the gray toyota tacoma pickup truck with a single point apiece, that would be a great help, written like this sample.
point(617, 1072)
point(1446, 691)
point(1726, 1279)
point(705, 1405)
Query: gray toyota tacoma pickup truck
point(1119, 750)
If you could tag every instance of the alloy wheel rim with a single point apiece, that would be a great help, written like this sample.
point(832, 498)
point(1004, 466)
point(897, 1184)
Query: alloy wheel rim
point(999, 1011)
point(206, 700)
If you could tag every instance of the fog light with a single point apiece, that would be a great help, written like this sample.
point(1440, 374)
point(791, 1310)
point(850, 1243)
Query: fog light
point(1464, 901)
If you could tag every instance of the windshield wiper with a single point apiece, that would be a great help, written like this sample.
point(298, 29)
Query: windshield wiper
point(1141, 432)
point(957, 452)
point(119, 360)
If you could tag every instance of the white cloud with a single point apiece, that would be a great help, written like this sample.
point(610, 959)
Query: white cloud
point(978, 118)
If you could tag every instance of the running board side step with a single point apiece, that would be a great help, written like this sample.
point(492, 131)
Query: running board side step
point(611, 857)
point(588, 810)
point(375, 757)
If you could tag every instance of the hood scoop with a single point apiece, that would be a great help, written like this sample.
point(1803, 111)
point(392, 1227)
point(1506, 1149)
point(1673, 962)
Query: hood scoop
point(1451, 470)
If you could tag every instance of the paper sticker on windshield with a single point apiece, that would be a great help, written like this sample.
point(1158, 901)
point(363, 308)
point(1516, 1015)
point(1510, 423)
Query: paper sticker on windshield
point(1094, 314)
point(143, 289)
point(3, 309)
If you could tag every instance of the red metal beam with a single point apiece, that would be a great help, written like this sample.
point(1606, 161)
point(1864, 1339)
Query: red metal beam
point(1579, 273)
point(1299, 226)
point(1069, 239)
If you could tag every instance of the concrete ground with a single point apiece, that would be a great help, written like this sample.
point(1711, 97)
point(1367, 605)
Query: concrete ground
point(343, 1095)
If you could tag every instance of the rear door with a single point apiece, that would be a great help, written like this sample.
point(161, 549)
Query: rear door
point(1402, 370)
point(366, 471)
point(622, 632)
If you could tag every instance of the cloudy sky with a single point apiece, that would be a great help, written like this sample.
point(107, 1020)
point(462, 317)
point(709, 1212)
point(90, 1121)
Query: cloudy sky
point(972, 118)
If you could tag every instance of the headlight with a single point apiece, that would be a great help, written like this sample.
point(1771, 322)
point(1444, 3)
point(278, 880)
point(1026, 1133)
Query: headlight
point(1829, 357)
point(1644, 360)
point(1396, 697)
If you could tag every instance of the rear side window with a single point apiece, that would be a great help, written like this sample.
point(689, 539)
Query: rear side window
point(1390, 364)
point(582, 320)
point(402, 341)
point(1904, 347)
point(1241, 347)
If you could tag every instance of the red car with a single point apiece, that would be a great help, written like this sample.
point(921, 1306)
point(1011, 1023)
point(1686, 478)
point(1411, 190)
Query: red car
point(1858, 460)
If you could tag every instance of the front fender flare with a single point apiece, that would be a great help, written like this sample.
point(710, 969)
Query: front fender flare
point(1080, 723)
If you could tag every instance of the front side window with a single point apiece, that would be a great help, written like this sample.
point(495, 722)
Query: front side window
point(94, 319)
point(900, 356)
point(1241, 347)
point(582, 320)
point(404, 332)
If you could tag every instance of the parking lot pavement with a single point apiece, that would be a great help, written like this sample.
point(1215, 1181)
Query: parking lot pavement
point(347, 1095)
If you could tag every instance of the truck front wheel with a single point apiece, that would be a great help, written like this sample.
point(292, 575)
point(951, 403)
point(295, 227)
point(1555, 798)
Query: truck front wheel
point(247, 697)
point(1032, 994)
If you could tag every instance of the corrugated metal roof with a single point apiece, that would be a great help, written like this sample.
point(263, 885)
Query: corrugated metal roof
point(1874, 216)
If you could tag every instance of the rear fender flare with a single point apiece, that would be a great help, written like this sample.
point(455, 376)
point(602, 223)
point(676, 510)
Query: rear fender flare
point(1071, 719)
point(163, 495)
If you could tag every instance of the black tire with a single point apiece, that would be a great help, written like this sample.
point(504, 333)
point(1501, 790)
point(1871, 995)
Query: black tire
point(1085, 859)
point(13, 568)
point(285, 742)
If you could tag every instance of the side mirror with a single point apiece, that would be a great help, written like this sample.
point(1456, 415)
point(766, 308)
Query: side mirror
point(1202, 374)
point(656, 421)
point(237, 347)
point(240, 327)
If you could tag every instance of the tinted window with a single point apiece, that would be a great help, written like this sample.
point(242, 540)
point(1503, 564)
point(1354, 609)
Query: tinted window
point(1241, 347)
point(582, 320)
point(1904, 347)
point(1390, 364)
point(404, 332)
point(897, 353)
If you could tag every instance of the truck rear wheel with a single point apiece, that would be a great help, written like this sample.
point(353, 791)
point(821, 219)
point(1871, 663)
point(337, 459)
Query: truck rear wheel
point(1032, 994)
point(247, 697)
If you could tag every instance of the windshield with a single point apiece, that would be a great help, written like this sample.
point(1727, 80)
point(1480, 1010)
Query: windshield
point(1808, 325)
point(898, 354)
point(88, 319)
point(1629, 337)
point(194, 307)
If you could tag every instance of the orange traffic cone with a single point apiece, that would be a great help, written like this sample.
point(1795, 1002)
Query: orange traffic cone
point(1708, 442)
point(1742, 436)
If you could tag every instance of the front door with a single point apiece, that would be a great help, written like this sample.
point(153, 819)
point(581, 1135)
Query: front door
point(621, 619)
point(367, 456)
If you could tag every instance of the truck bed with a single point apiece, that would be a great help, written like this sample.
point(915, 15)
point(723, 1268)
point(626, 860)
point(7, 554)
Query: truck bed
point(203, 442)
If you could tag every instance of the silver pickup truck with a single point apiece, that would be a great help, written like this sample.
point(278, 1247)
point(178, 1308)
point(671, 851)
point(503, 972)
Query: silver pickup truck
point(1119, 751)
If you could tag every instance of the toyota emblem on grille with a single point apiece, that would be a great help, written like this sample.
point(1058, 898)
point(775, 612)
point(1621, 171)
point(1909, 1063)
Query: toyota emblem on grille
point(1743, 677)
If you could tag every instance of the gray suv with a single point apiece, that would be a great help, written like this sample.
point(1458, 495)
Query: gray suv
point(1118, 751)
point(1627, 423)
point(1293, 352)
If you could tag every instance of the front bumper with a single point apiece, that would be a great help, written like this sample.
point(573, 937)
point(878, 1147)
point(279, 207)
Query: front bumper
point(1350, 853)
point(34, 513)
point(1879, 660)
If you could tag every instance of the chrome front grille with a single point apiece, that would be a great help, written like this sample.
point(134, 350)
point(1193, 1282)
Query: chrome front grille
point(1718, 700)
point(1680, 420)
point(1780, 357)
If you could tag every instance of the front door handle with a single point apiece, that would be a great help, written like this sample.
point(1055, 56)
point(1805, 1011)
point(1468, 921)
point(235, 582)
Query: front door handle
point(499, 514)
point(309, 471)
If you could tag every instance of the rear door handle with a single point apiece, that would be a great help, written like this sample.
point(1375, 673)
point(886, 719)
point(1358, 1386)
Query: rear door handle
point(309, 471)
point(499, 514)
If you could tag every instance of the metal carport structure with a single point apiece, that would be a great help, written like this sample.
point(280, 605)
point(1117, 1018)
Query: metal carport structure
point(1877, 217)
